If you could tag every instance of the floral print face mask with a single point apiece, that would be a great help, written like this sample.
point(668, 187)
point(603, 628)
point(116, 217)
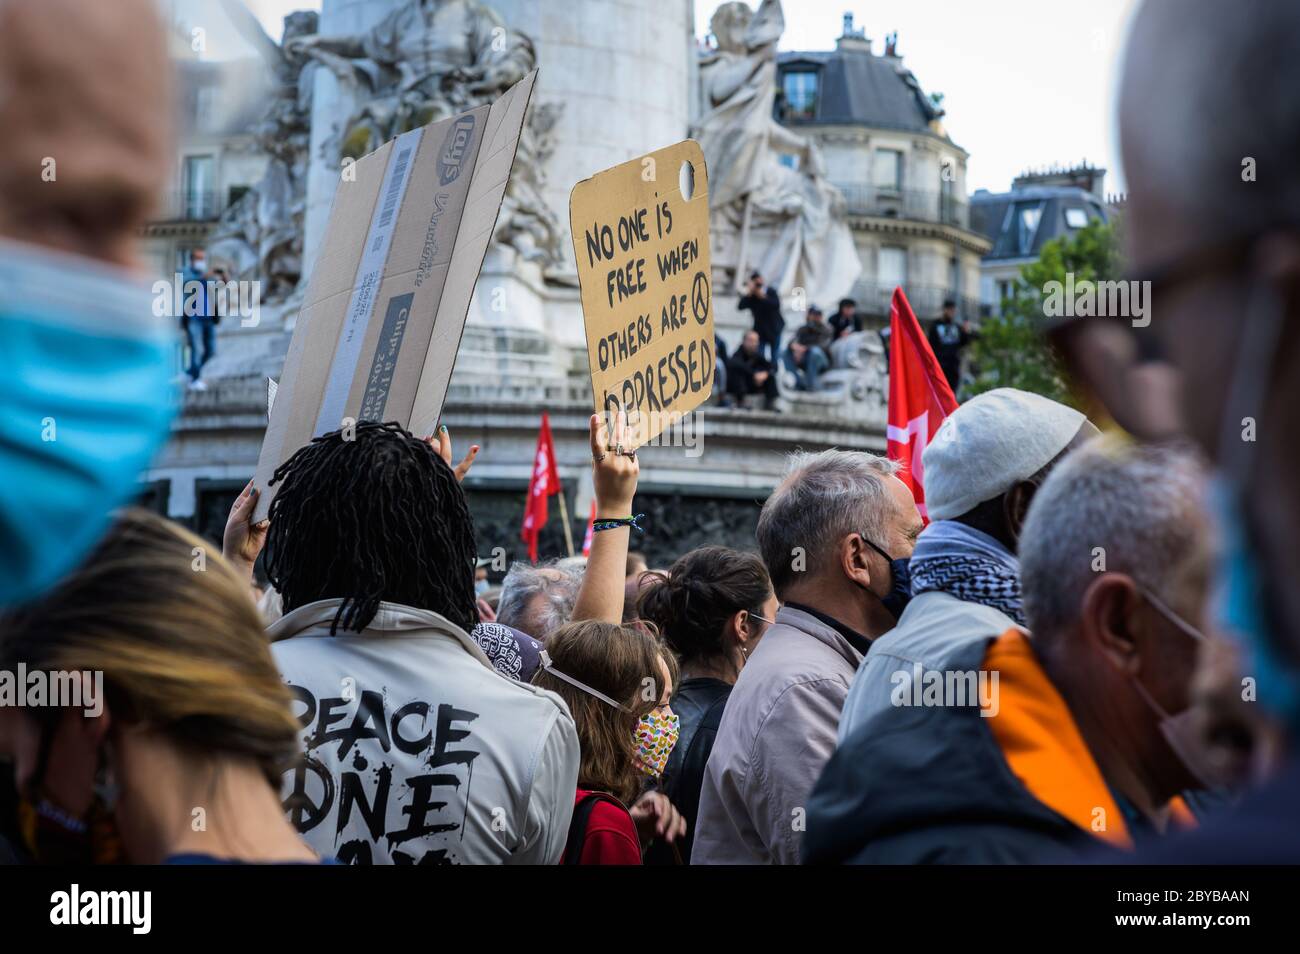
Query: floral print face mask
point(656, 734)
point(656, 731)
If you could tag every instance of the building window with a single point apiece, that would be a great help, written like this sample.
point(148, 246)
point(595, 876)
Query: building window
point(205, 107)
point(800, 88)
point(1076, 218)
point(1028, 215)
point(199, 188)
point(892, 269)
point(948, 204)
point(888, 171)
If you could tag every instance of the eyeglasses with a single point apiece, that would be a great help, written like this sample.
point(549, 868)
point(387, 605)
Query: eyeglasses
point(867, 541)
point(1163, 609)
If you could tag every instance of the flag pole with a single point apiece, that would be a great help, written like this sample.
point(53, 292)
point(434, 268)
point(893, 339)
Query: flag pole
point(564, 517)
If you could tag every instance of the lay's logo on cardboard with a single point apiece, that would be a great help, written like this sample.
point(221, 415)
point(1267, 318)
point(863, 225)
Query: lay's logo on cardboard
point(453, 150)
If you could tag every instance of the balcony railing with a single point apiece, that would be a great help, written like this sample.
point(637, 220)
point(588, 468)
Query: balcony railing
point(926, 300)
point(926, 206)
point(192, 205)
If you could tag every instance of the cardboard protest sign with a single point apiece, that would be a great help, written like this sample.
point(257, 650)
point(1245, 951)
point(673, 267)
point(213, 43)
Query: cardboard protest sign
point(386, 305)
point(641, 240)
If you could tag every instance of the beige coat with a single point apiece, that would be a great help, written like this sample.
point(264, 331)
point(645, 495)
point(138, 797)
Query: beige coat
point(777, 733)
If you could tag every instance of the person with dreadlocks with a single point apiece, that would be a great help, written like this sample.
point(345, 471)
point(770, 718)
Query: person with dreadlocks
point(417, 750)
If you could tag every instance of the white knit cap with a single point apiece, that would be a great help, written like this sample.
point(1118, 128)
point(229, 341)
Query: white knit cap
point(988, 444)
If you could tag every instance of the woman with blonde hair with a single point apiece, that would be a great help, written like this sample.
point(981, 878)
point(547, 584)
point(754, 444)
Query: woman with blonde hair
point(166, 728)
point(616, 681)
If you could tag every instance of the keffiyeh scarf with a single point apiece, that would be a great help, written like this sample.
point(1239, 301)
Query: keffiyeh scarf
point(964, 562)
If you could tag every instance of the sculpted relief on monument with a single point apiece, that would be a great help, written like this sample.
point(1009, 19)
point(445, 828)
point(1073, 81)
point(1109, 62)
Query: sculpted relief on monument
point(424, 61)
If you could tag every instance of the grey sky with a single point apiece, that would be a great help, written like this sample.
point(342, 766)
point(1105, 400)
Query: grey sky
point(1025, 82)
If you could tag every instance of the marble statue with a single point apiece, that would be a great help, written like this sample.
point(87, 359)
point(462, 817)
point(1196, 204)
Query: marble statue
point(427, 60)
point(261, 234)
point(771, 208)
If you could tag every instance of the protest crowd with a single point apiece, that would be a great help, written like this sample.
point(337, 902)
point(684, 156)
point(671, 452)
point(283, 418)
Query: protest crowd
point(1039, 658)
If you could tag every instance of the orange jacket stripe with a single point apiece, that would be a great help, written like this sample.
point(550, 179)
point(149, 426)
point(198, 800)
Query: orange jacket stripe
point(1043, 746)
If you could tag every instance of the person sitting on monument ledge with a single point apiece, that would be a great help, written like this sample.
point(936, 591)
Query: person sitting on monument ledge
point(845, 321)
point(371, 547)
point(748, 372)
point(815, 332)
point(806, 362)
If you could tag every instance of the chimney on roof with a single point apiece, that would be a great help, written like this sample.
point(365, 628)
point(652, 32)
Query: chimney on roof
point(1084, 176)
point(891, 46)
point(853, 39)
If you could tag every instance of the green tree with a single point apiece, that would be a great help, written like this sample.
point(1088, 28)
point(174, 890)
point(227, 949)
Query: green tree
point(1011, 351)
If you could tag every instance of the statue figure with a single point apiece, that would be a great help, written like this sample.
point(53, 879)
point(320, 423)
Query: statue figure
point(261, 234)
point(766, 183)
point(430, 59)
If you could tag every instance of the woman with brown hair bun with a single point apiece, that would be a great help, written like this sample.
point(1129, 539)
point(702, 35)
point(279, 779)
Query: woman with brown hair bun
point(167, 727)
point(711, 607)
point(617, 682)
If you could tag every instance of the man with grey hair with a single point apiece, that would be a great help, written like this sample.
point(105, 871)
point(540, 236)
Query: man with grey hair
point(1209, 121)
point(982, 470)
point(1081, 741)
point(538, 600)
point(834, 536)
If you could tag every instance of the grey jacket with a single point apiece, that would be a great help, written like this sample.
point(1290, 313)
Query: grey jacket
point(417, 750)
point(932, 628)
point(776, 735)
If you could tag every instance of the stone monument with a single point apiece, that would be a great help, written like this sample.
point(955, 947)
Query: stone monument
point(618, 78)
point(773, 210)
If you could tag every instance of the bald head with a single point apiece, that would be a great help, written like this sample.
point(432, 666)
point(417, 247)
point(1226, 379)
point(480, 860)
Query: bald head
point(86, 110)
point(1208, 86)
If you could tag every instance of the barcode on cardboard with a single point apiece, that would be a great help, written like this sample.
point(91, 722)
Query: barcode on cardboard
point(395, 187)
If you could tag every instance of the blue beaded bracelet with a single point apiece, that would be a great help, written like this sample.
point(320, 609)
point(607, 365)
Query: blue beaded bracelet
point(617, 522)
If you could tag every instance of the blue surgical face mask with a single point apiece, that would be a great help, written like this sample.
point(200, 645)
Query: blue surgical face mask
point(1240, 599)
point(1237, 608)
point(85, 402)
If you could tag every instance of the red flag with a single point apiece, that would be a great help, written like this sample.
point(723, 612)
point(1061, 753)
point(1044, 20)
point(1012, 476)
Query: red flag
point(919, 396)
point(545, 482)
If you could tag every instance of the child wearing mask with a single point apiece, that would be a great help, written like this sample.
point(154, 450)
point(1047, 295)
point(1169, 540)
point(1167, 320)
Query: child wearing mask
point(617, 682)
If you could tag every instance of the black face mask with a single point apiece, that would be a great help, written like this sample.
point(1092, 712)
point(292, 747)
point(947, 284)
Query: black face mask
point(900, 587)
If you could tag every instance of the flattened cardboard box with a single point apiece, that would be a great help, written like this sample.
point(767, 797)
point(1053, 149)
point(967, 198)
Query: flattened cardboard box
point(386, 305)
point(641, 241)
